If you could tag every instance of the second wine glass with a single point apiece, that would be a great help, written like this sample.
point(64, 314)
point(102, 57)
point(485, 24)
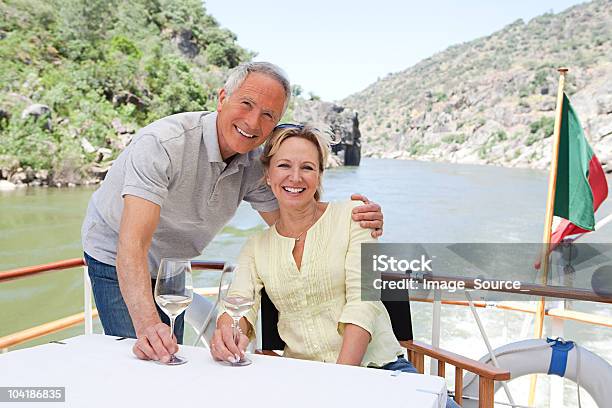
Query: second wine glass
point(237, 300)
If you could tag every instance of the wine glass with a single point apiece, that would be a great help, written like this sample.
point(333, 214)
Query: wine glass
point(174, 292)
point(237, 302)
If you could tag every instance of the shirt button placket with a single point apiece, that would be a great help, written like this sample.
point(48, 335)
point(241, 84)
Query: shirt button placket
point(213, 195)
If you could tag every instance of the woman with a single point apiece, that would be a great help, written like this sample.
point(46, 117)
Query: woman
point(309, 264)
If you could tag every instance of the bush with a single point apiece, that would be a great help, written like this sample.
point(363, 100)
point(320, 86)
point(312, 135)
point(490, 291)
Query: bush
point(440, 97)
point(540, 78)
point(216, 55)
point(545, 125)
point(30, 142)
point(296, 90)
point(531, 139)
point(459, 138)
point(483, 152)
point(121, 44)
point(501, 135)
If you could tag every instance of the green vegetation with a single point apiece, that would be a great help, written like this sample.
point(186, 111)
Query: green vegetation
point(517, 153)
point(524, 92)
point(531, 139)
point(500, 136)
point(313, 97)
point(417, 148)
point(545, 126)
point(296, 90)
point(440, 97)
point(495, 138)
point(98, 61)
point(540, 78)
point(483, 151)
point(458, 138)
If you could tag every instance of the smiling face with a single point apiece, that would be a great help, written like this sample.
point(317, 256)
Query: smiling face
point(248, 116)
point(294, 172)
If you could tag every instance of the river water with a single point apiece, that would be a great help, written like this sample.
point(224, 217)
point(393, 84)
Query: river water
point(422, 202)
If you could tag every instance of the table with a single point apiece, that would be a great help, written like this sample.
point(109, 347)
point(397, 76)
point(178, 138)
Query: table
point(101, 371)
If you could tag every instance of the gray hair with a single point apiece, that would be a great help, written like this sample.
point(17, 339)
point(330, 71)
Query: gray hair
point(238, 75)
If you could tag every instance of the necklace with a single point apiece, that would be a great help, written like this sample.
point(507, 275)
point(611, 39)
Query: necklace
point(314, 217)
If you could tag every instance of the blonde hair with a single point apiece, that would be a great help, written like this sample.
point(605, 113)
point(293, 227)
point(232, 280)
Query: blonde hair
point(285, 131)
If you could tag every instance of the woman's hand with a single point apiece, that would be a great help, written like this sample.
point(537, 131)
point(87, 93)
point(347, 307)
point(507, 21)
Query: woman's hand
point(223, 346)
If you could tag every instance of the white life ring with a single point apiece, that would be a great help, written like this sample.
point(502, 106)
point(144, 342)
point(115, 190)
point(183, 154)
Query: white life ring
point(534, 356)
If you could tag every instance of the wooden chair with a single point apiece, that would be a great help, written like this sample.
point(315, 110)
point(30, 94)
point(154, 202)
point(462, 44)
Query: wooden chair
point(399, 312)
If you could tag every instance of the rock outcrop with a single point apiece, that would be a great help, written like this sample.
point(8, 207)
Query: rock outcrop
point(38, 111)
point(186, 43)
point(343, 123)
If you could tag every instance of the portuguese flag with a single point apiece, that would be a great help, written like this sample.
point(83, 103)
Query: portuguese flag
point(581, 182)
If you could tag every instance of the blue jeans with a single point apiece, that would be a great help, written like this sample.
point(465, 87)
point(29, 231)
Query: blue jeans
point(405, 366)
point(112, 309)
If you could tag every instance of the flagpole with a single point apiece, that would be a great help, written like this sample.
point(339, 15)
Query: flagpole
point(550, 203)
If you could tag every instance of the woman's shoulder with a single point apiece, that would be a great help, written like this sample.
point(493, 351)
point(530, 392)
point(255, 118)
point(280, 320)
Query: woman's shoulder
point(343, 206)
point(343, 215)
point(339, 213)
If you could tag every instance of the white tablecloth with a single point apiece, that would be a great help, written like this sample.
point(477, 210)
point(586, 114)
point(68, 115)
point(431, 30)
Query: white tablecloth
point(101, 371)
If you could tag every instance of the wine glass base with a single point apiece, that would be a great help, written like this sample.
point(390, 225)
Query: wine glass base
point(244, 361)
point(174, 360)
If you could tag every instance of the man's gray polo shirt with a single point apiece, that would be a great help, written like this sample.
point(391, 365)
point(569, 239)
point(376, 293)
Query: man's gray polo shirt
point(175, 163)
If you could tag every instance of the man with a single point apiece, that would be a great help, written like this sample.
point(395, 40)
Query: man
point(171, 190)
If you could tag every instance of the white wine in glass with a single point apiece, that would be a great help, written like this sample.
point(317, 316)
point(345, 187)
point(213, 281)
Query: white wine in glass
point(173, 305)
point(236, 306)
point(174, 293)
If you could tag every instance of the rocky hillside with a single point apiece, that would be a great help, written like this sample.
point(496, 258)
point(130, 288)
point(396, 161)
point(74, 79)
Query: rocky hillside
point(492, 100)
point(78, 77)
point(341, 123)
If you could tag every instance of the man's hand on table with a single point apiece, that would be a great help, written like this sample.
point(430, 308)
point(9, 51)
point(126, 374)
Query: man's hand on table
point(223, 347)
point(155, 343)
point(368, 215)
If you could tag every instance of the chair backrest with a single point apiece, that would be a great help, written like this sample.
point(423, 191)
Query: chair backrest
point(199, 315)
point(270, 339)
point(399, 312)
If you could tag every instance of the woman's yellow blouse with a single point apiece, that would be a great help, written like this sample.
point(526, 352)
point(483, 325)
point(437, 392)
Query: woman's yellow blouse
point(317, 300)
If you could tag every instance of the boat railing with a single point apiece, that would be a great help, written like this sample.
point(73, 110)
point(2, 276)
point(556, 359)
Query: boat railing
point(20, 337)
point(88, 313)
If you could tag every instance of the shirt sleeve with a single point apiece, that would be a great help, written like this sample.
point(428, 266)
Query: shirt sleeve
point(356, 311)
point(247, 283)
point(147, 170)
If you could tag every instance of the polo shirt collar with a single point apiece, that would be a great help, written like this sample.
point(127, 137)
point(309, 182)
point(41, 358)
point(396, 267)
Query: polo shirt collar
point(209, 135)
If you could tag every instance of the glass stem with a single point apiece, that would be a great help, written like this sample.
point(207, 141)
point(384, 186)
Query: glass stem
point(236, 332)
point(172, 325)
